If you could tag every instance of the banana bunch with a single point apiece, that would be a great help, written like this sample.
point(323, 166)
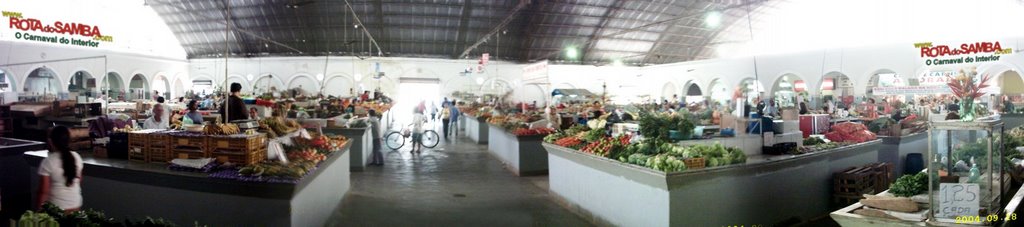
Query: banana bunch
point(295, 169)
point(37, 219)
point(221, 129)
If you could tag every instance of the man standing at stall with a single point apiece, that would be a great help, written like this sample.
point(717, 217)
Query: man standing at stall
point(235, 107)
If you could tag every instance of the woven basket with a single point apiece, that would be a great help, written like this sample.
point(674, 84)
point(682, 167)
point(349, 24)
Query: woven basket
point(694, 163)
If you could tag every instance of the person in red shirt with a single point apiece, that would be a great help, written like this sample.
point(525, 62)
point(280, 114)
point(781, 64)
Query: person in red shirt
point(365, 96)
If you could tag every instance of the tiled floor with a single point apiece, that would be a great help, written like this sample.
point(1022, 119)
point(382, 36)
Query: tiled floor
point(456, 184)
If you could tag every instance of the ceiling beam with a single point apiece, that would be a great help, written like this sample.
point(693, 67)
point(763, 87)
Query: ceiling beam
point(527, 28)
point(522, 4)
point(363, 27)
point(608, 13)
point(460, 35)
point(379, 4)
point(235, 28)
point(661, 38)
point(638, 28)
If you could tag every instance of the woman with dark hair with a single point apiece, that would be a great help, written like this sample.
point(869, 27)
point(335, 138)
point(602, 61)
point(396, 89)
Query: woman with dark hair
point(61, 173)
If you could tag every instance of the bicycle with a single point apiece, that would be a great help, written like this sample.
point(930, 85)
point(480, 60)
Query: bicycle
point(396, 139)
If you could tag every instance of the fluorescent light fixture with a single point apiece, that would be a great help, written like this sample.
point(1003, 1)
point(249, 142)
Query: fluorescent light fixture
point(571, 53)
point(713, 19)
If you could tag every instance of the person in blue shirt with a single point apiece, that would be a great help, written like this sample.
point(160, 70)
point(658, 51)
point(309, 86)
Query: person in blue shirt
point(454, 118)
point(193, 113)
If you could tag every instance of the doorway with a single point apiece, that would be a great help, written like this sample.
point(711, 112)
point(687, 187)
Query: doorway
point(410, 95)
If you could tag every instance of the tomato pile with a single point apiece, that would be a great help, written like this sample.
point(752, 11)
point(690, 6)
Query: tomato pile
point(307, 155)
point(532, 132)
point(570, 142)
point(604, 146)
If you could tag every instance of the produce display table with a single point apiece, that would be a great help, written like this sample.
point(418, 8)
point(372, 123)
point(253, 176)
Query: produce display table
point(362, 145)
point(123, 188)
point(895, 149)
point(523, 155)
point(476, 129)
point(845, 216)
point(763, 191)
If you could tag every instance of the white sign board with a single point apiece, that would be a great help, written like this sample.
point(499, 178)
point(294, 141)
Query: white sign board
point(536, 73)
point(935, 77)
point(958, 200)
point(912, 90)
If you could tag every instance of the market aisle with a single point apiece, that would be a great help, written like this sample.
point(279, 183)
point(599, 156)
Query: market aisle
point(459, 184)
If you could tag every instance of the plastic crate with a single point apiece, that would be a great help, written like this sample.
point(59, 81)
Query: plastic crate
point(137, 153)
point(139, 139)
point(237, 144)
point(197, 142)
point(694, 163)
point(188, 153)
point(158, 155)
point(159, 140)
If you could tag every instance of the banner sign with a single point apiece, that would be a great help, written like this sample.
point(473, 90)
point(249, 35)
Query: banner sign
point(966, 53)
point(58, 32)
point(912, 90)
point(536, 73)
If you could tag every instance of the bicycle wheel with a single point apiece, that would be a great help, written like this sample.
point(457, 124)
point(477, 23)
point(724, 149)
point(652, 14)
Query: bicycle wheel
point(430, 139)
point(394, 140)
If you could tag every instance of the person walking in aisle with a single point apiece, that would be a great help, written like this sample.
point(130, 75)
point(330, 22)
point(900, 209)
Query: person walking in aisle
point(60, 173)
point(453, 118)
point(417, 130)
point(445, 118)
point(374, 123)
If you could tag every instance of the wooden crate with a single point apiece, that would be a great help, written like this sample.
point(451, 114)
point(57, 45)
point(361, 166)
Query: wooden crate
point(159, 140)
point(198, 142)
point(237, 144)
point(188, 153)
point(158, 155)
point(137, 153)
point(139, 139)
point(850, 184)
point(245, 158)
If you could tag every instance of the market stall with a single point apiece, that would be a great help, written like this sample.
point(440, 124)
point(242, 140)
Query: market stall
point(474, 122)
point(134, 189)
point(757, 192)
point(517, 146)
point(362, 142)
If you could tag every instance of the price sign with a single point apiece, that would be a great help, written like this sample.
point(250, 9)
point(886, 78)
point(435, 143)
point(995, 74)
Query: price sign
point(958, 200)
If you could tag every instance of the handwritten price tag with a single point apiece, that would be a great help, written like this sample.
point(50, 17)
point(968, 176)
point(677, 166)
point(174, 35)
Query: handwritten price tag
point(956, 200)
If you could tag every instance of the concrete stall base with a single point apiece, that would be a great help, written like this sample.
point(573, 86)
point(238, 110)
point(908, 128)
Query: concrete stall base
point(122, 188)
point(764, 191)
point(476, 129)
point(362, 145)
point(895, 150)
point(523, 155)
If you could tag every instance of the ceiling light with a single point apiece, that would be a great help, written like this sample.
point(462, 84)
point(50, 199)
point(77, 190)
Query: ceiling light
point(713, 19)
point(249, 77)
point(266, 45)
point(355, 25)
point(571, 53)
point(320, 77)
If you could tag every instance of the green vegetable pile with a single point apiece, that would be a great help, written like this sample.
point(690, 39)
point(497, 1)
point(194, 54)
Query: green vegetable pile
point(669, 157)
point(910, 185)
point(52, 215)
point(656, 126)
point(811, 141)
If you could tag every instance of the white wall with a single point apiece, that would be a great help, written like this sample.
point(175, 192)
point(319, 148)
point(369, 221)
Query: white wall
point(858, 63)
point(18, 59)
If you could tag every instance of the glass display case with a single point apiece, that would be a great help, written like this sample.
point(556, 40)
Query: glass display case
point(965, 173)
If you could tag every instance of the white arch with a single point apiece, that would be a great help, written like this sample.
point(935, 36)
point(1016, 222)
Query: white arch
point(11, 76)
point(274, 81)
point(316, 83)
point(57, 74)
point(344, 78)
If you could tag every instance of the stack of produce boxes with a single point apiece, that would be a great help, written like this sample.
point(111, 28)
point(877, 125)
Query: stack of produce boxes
point(239, 148)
